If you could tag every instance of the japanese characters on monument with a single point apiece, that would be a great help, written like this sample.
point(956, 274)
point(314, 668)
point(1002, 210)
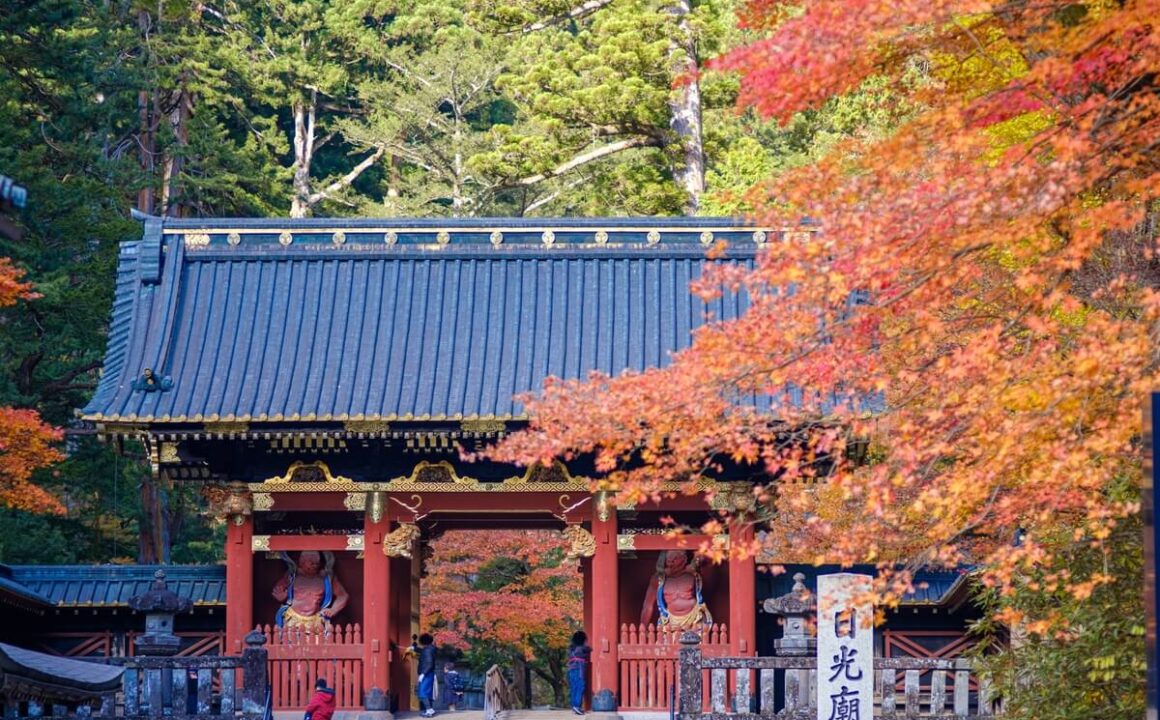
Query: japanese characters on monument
point(845, 648)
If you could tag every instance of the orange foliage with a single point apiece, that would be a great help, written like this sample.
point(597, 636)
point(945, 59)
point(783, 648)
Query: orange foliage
point(25, 441)
point(12, 287)
point(962, 352)
point(25, 445)
point(535, 612)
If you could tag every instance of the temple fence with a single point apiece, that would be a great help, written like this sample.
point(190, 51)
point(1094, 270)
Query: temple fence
point(648, 663)
point(786, 687)
point(204, 687)
point(297, 659)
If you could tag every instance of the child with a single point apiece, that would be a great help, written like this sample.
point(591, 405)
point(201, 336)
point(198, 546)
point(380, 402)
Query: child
point(452, 686)
point(321, 706)
point(578, 656)
point(427, 675)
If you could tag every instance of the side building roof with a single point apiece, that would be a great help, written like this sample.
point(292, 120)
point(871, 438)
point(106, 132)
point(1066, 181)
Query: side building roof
point(113, 585)
point(331, 321)
point(931, 587)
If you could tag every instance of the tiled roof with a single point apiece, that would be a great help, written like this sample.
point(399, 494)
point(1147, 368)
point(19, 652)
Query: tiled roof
point(15, 593)
point(931, 587)
point(113, 585)
point(56, 674)
point(337, 320)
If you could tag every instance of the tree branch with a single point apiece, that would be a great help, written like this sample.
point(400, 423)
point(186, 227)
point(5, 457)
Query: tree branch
point(65, 381)
point(542, 201)
point(584, 158)
point(347, 179)
point(582, 10)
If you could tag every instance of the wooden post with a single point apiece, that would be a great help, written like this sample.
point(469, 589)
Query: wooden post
point(239, 581)
point(254, 674)
point(589, 629)
point(400, 627)
point(742, 606)
point(376, 601)
point(742, 594)
point(605, 608)
point(689, 673)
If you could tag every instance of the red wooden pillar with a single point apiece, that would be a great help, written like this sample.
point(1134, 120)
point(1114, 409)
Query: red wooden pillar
point(376, 598)
point(742, 594)
point(586, 572)
point(239, 581)
point(400, 609)
point(605, 584)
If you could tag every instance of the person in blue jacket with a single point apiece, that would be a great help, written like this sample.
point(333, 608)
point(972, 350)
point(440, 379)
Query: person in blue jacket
point(426, 691)
point(452, 687)
point(579, 654)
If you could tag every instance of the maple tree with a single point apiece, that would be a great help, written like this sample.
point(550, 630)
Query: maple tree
point(956, 345)
point(511, 593)
point(25, 441)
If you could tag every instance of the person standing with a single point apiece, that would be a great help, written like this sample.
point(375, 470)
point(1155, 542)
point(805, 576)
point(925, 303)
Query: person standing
point(427, 675)
point(579, 655)
point(452, 687)
point(321, 706)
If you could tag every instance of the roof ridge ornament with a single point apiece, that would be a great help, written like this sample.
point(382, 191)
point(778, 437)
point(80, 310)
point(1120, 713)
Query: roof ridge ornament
point(601, 237)
point(548, 238)
point(197, 239)
point(285, 238)
point(150, 382)
point(496, 238)
point(391, 238)
point(653, 237)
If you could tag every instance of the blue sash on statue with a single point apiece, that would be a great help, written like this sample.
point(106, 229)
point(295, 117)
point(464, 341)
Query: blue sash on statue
point(327, 598)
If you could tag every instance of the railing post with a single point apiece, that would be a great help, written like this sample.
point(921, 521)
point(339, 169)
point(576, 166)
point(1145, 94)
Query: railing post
point(692, 691)
point(254, 670)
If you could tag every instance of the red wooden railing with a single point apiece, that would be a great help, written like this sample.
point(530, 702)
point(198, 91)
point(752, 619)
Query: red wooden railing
point(297, 659)
point(106, 643)
point(648, 663)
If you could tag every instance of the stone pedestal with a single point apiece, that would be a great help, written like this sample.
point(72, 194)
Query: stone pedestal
point(159, 604)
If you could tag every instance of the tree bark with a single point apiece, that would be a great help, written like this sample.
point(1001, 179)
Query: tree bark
point(154, 544)
point(179, 115)
point(685, 106)
point(304, 114)
point(145, 145)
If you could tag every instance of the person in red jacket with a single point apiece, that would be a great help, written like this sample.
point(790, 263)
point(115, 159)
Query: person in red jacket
point(321, 706)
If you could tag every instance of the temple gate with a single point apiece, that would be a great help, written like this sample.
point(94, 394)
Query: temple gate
point(321, 378)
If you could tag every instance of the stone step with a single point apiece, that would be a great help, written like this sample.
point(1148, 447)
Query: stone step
point(522, 714)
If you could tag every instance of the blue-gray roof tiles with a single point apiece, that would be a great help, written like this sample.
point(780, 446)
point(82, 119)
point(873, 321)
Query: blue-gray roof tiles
point(930, 587)
point(336, 320)
point(113, 585)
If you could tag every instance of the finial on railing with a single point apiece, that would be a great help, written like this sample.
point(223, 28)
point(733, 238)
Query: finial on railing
point(255, 638)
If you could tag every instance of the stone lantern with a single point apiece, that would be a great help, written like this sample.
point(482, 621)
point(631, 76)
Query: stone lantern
point(794, 607)
point(159, 604)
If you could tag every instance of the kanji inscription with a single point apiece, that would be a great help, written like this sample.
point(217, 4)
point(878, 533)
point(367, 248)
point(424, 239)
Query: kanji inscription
point(845, 648)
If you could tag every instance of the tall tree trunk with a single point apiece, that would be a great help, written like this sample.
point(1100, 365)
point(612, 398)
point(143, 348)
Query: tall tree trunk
point(182, 109)
point(685, 106)
point(147, 144)
point(304, 114)
point(155, 542)
point(457, 201)
point(557, 670)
